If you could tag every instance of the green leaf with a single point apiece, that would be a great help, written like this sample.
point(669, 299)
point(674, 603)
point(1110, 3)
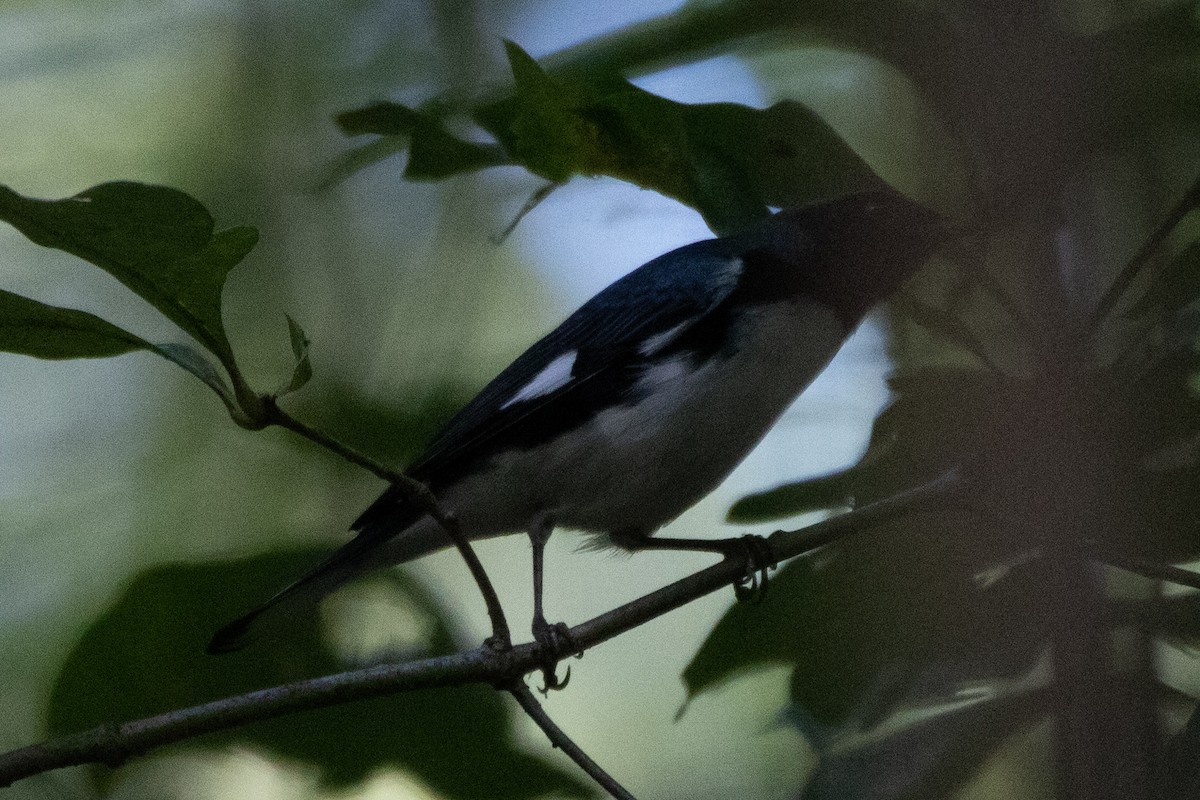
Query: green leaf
point(814, 494)
point(302, 372)
point(1175, 286)
point(36, 329)
point(728, 161)
point(537, 127)
point(157, 241)
point(145, 655)
point(434, 152)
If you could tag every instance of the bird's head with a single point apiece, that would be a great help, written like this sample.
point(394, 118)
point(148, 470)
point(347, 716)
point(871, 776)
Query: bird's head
point(851, 252)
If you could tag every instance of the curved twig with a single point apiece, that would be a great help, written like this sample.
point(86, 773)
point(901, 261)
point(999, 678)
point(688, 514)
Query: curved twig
point(559, 739)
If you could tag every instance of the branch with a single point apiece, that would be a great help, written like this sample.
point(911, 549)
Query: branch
point(112, 744)
point(555, 734)
point(1189, 201)
point(415, 492)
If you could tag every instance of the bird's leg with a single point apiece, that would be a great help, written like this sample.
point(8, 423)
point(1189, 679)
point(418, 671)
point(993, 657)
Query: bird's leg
point(552, 638)
point(755, 551)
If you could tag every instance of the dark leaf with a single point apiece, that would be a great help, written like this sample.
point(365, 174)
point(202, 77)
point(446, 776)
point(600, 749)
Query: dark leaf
point(302, 371)
point(157, 241)
point(385, 119)
point(1175, 286)
point(929, 759)
point(36, 329)
point(728, 161)
point(1179, 770)
point(1149, 71)
point(859, 610)
point(944, 324)
point(146, 655)
point(814, 494)
point(434, 152)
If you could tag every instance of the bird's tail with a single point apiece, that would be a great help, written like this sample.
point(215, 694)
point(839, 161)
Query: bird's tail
point(339, 567)
point(380, 543)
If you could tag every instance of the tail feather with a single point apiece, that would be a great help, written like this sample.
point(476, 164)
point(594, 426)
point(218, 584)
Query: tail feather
point(399, 532)
point(342, 565)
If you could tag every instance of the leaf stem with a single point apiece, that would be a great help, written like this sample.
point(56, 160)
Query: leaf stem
point(559, 739)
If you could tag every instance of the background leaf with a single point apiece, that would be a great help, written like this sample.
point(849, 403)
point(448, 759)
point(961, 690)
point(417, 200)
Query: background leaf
point(434, 152)
point(146, 655)
point(928, 759)
point(1174, 286)
point(728, 161)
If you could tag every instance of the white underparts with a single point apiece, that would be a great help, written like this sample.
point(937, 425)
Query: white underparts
point(639, 464)
point(555, 375)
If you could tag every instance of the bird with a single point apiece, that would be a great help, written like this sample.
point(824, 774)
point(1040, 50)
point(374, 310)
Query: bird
point(644, 399)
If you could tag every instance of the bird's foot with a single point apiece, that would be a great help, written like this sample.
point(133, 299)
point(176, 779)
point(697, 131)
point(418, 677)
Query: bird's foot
point(759, 560)
point(555, 641)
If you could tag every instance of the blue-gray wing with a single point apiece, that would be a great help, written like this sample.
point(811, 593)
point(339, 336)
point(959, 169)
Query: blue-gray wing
point(588, 363)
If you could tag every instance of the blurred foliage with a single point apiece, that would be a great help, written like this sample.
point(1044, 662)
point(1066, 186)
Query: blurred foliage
point(1078, 435)
point(727, 161)
point(145, 656)
point(157, 241)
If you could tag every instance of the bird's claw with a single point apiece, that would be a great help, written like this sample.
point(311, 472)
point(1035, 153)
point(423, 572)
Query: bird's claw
point(759, 560)
point(497, 644)
point(553, 640)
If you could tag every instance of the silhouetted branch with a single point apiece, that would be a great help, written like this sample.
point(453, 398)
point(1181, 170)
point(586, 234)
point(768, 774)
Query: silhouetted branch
point(112, 744)
point(555, 734)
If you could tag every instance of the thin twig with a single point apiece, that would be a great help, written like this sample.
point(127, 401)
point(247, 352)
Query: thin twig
point(559, 739)
point(112, 744)
point(1189, 201)
point(417, 493)
point(533, 202)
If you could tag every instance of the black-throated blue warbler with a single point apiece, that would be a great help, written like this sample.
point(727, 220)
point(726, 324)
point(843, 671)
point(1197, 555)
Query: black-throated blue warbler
point(645, 398)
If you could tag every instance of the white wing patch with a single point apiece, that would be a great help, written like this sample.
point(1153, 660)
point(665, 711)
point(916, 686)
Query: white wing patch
point(658, 341)
point(554, 375)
